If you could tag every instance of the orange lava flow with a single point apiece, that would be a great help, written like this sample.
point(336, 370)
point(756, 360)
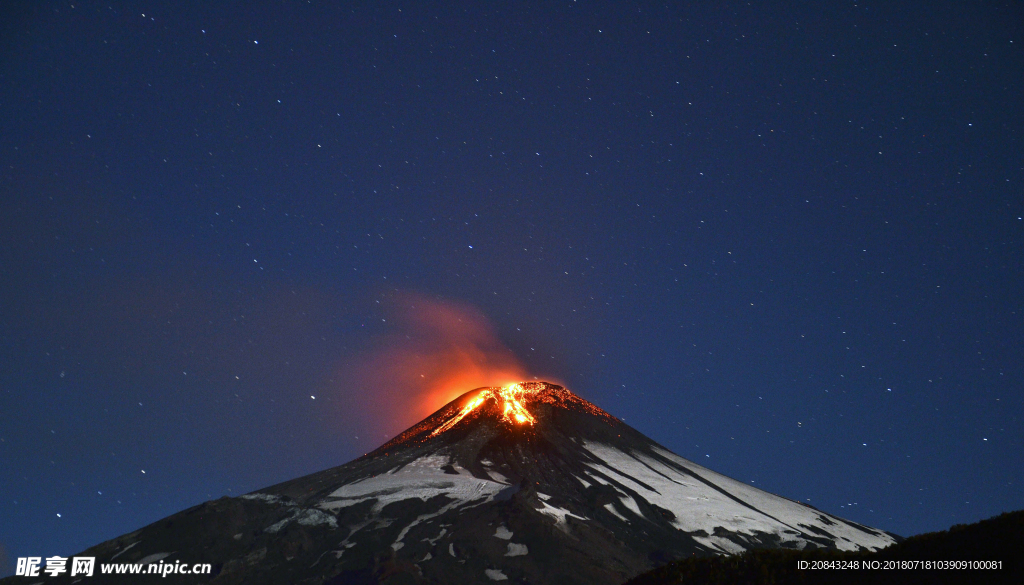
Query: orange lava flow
point(514, 409)
point(511, 397)
point(466, 410)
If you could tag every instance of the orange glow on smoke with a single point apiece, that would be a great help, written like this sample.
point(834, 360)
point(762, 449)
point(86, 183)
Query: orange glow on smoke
point(437, 351)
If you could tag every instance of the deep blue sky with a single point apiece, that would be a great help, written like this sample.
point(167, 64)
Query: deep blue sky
point(784, 241)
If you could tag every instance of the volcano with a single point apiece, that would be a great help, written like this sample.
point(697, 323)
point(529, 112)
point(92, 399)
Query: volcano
point(527, 484)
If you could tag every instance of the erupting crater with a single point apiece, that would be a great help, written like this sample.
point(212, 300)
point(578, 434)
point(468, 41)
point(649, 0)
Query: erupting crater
point(511, 399)
point(513, 406)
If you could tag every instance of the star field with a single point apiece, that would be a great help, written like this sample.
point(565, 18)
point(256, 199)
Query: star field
point(783, 241)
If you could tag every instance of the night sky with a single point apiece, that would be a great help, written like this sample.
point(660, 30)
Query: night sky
point(240, 244)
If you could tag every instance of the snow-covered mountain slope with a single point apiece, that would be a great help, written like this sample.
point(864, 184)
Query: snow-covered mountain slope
point(530, 484)
point(704, 500)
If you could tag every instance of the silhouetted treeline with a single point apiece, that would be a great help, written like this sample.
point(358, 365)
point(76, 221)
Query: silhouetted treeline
point(999, 539)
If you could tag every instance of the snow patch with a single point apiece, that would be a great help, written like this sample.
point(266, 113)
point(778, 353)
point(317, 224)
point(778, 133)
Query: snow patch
point(423, 517)
point(503, 533)
point(495, 575)
point(314, 517)
point(436, 538)
point(558, 514)
point(268, 498)
point(516, 550)
point(630, 503)
point(305, 517)
point(611, 508)
point(717, 543)
point(497, 476)
point(487, 463)
point(125, 549)
point(277, 526)
point(153, 558)
point(422, 478)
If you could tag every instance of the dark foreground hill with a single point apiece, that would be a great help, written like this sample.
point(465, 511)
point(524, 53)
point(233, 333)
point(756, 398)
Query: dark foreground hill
point(990, 551)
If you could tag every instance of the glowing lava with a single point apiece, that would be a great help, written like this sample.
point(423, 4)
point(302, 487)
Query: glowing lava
point(511, 404)
point(466, 410)
point(511, 398)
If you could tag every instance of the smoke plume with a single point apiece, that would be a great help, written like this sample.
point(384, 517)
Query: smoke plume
point(437, 351)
